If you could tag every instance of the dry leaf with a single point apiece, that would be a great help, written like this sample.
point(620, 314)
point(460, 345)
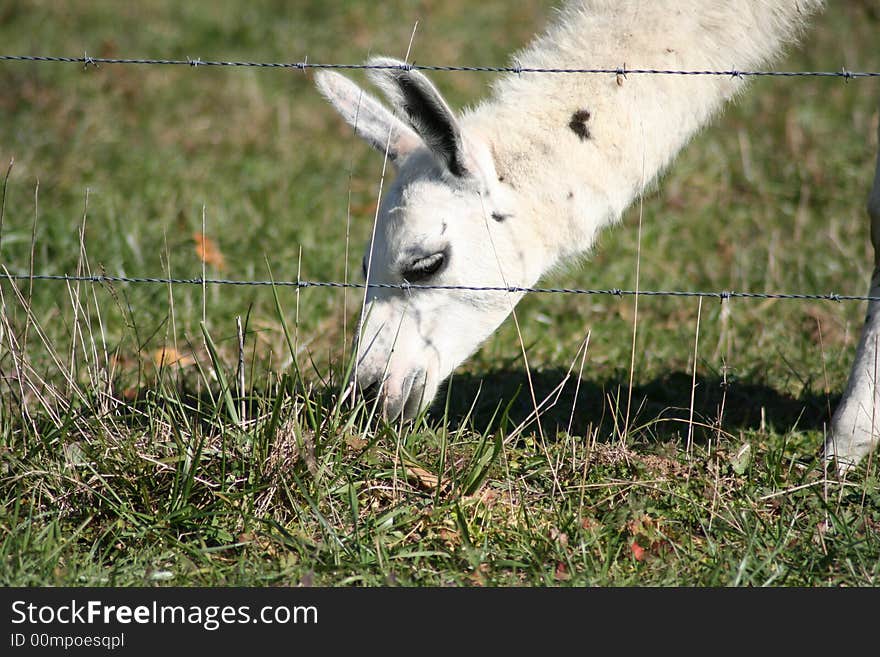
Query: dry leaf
point(489, 497)
point(450, 536)
point(478, 577)
point(558, 536)
point(122, 361)
point(485, 496)
point(425, 478)
point(365, 209)
point(639, 553)
point(647, 540)
point(165, 356)
point(562, 573)
point(356, 442)
point(642, 525)
point(208, 251)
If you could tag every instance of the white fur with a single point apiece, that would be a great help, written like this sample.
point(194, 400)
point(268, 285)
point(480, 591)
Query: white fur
point(515, 157)
point(855, 426)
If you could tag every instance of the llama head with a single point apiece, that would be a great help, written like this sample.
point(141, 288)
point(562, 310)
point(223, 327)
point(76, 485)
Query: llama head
point(445, 221)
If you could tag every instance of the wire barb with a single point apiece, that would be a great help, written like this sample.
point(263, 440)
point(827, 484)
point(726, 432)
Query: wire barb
point(88, 61)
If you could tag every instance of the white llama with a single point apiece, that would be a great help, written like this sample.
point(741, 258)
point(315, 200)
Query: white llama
point(505, 191)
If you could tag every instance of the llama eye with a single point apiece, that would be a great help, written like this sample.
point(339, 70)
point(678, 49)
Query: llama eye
point(424, 268)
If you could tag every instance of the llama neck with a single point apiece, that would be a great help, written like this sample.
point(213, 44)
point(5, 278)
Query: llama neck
point(580, 147)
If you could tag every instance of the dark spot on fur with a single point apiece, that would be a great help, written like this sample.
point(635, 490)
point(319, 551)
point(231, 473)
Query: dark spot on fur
point(570, 194)
point(578, 124)
point(500, 178)
point(500, 216)
point(443, 228)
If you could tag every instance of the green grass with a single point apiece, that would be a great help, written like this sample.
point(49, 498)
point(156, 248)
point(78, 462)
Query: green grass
point(121, 467)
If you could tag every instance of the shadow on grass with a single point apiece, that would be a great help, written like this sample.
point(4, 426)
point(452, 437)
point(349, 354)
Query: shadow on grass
point(663, 403)
point(660, 408)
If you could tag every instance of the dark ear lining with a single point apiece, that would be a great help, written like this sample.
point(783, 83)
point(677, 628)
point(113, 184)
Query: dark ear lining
point(413, 95)
point(434, 123)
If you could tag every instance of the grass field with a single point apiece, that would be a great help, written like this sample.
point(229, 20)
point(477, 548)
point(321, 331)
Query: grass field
point(146, 440)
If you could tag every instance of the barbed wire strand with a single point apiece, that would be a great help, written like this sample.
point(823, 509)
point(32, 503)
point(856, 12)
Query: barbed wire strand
point(731, 294)
point(87, 61)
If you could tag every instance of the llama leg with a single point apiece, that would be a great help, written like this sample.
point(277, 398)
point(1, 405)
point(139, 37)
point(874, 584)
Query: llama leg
point(855, 427)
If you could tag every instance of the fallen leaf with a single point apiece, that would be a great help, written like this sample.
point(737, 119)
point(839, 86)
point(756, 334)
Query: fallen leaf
point(208, 251)
point(356, 442)
point(165, 356)
point(588, 523)
point(450, 536)
point(425, 478)
point(478, 577)
point(648, 540)
point(638, 551)
point(364, 208)
point(489, 497)
point(562, 573)
point(122, 361)
point(641, 525)
point(484, 496)
point(558, 536)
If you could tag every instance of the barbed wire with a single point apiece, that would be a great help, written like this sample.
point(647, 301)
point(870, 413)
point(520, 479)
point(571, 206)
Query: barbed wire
point(156, 280)
point(87, 61)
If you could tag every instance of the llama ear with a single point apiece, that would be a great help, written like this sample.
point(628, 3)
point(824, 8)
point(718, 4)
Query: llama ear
point(370, 120)
point(417, 99)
